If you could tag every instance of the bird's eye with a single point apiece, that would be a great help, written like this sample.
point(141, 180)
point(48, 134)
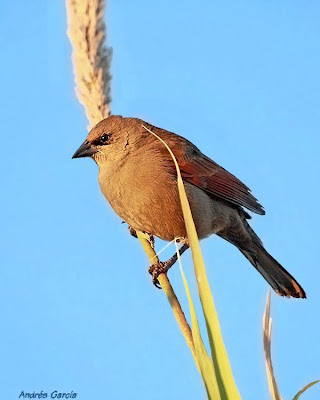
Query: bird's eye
point(104, 138)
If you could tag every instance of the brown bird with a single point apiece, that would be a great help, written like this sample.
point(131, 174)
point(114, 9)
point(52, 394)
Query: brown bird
point(138, 178)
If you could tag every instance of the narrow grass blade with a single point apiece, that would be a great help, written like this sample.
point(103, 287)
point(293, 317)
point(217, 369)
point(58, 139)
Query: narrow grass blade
point(204, 361)
point(267, 323)
point(225, 380)
point(297, 396)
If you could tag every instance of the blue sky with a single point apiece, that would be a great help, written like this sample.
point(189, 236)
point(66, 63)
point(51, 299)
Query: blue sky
point(78, 310)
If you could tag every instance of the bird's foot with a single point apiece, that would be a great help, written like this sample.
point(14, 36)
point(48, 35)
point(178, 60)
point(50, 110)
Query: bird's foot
point(132, 232)
point(159, 268)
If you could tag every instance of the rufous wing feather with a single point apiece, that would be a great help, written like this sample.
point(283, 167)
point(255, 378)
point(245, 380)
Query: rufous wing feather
point(201, 171)
point(209, 176)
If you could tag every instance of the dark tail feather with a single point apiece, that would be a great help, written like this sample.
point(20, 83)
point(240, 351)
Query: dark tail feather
point(278, 278)
point(252, 248)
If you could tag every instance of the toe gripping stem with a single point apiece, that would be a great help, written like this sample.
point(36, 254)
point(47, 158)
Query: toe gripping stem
point(162, 267)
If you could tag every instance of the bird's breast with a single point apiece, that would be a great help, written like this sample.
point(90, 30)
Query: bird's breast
point(145, 195)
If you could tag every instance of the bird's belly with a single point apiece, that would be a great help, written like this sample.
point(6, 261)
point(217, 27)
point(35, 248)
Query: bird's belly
point(154, 207)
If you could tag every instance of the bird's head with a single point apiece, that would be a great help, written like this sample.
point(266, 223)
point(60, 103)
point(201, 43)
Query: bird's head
point(108, 141)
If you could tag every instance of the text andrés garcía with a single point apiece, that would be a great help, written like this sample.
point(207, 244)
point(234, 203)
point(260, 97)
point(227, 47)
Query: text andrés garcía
point(45, 395)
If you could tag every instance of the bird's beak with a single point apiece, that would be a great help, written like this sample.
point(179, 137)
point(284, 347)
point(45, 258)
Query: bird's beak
point(85, 150)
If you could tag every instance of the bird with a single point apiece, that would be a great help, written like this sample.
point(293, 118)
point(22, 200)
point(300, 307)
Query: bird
point(138, 177)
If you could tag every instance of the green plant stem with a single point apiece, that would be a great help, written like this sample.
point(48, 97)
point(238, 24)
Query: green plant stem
point(169, 292)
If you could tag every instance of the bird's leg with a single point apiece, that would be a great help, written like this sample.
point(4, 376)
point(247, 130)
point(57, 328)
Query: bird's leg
point(163, 267)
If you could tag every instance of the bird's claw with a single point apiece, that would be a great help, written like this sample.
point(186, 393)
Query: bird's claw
point(155, 270)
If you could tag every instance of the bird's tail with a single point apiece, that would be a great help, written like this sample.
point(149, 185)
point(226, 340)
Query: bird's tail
point(278, 278)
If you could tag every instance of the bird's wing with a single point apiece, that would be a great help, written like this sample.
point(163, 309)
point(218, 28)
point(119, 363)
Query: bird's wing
point(201, 171)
